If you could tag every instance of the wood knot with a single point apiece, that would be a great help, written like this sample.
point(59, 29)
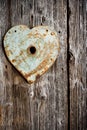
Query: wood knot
point(71, 58)
point(42, 94)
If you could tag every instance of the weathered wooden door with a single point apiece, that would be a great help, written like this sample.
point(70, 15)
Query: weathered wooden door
point(58, 100)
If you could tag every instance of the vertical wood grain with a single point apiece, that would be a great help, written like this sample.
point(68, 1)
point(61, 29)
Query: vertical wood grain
point(6, 103)
point(77, 63)
point(43, 105)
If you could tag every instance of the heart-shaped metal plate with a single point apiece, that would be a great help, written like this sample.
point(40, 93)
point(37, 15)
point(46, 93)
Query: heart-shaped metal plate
point(31, 51)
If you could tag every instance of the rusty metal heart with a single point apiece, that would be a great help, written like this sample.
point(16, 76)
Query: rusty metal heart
point(31, 51)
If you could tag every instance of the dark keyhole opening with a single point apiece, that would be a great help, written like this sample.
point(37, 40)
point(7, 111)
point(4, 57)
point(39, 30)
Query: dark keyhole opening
point(32, 50)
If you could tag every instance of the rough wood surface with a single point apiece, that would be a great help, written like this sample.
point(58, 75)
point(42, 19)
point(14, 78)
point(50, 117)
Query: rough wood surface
point(47, 104)
point(43, 105)
point(78, 74)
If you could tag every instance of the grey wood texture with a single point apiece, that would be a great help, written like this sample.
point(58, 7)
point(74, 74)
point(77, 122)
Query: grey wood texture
point(58, 99)
point(78, 65)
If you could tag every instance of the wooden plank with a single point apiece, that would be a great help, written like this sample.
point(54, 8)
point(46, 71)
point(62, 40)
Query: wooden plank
point(43, 105)
point(77, 64)
point(6, 103)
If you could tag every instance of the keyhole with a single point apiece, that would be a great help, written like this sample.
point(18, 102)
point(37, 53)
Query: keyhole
point(32, 50)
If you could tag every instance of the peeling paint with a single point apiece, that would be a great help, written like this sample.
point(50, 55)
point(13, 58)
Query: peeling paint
point(31, 51)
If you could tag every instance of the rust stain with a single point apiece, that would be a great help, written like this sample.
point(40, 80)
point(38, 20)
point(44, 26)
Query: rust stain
point(8, 52)
point(43, 40)
point(30, 81)
point(38, 76)
point(52, 33)
point(42, 65)
point(23, 27)
point(21, 53)
point(13, 60)
point(44, 35)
